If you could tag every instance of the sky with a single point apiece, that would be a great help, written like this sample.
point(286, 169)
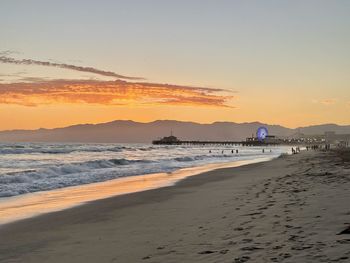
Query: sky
point(277, 62)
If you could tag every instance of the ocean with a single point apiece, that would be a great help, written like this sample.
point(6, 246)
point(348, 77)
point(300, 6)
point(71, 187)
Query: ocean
point(32, 167)
point(53, 176)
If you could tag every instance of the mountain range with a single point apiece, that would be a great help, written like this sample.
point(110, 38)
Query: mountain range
point(122, 131)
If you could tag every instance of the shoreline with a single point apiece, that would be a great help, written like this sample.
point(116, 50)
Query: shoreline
point(44, 202)
point(263, 212)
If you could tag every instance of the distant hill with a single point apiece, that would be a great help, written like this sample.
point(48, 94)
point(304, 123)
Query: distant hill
point(321, 129)
point(136, 132)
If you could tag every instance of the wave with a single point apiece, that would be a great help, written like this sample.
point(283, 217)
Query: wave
point(88, 166)
point(66, 149)
point(59, 176)
point(39, 171)
point(70, 168)
point(184, 159)
point(71, 174)
point(79, 167)
point(202, 157)
point(24, 150)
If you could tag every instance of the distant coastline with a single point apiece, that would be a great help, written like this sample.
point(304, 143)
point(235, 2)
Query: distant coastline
point(137, 132)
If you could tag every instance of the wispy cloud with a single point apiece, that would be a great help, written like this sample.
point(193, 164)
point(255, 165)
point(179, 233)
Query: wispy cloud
point(116, 92)
point(17, 74)
point(4, 58)
point(326, 102)
point(33, 91)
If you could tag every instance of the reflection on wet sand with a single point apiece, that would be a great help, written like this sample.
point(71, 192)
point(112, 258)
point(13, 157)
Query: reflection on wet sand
point(33, 204)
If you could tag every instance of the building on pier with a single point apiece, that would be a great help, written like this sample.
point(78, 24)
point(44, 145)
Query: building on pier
point(168, 140)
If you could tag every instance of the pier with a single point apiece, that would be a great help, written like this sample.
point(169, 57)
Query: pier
point(172, 140)
point(233, 143)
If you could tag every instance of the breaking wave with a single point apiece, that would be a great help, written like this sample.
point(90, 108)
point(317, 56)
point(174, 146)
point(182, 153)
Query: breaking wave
point(27, 168)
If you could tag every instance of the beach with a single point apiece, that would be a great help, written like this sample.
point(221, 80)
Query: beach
point(290, 209)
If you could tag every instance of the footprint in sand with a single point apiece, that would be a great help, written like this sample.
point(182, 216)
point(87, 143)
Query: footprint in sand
point(241, 259)
point(277, 247)
point(247, 240)
point(346, 231)
point(206, 252)
point(251, 248)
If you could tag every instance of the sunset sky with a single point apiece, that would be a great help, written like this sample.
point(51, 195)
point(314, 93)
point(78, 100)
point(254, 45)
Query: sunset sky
point(278, 62)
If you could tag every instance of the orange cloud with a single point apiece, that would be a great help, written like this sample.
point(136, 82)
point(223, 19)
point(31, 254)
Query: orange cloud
point(116, 92)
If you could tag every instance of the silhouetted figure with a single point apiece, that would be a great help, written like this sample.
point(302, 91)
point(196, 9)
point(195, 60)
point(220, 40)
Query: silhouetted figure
point(237, 151)
point(209, 151)
point(263, 150)
point(232, 151)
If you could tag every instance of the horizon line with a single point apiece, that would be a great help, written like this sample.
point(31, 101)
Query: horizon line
point(183, 121)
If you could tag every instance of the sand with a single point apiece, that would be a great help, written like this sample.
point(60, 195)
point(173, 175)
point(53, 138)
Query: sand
point(291, 209)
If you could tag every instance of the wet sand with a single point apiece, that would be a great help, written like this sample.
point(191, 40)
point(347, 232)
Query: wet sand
point(291, 209)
